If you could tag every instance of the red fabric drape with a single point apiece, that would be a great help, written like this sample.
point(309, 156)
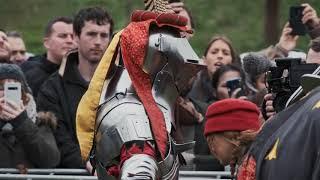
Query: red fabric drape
point(134, 43)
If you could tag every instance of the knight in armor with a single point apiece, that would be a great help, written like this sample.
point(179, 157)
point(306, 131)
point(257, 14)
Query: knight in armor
point(126, 120)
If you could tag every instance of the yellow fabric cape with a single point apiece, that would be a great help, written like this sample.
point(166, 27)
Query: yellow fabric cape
point(87, 108)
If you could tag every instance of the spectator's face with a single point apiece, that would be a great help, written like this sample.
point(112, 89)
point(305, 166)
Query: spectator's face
point(93, 41)
point(4, 47)
point(261, 82)
point(222, 90)
point(313, 57)
point(18, 50)
point(60, 41)
point(218, 54)
point(221, 148)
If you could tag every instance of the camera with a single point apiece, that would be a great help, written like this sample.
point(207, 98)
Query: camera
point(234, 84)
point(295, 20)
point(12, 91)
point(284, 79)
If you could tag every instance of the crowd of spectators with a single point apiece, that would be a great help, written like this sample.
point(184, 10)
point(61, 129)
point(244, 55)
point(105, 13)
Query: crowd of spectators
point(40, 131)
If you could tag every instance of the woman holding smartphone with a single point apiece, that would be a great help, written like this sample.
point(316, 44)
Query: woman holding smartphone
point(229, 82)
point(26, 138)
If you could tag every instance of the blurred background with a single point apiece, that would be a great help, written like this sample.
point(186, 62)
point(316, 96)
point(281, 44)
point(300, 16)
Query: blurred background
point(251, 25)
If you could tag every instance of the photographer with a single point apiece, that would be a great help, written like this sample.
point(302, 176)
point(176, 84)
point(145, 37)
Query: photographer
point(312, 57)
point(256, 65)
point(220, 81)
point(312, 22)
point(26, 139)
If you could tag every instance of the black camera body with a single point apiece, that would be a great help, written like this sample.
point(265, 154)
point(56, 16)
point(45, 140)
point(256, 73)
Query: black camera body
point(284, 79)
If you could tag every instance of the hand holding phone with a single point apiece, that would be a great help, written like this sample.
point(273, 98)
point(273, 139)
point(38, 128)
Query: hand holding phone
point(295, 20)
point(233, 85)
point(10, 103)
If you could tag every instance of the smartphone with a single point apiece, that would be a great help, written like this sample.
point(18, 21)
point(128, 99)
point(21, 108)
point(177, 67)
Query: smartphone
point(295, 20)
point(234, 84)
point(12, 91)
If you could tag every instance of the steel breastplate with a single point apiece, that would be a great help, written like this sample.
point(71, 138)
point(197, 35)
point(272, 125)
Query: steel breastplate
point(121, 116)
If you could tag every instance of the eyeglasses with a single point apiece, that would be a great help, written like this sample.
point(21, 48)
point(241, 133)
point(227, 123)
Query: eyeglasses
point(230, 141)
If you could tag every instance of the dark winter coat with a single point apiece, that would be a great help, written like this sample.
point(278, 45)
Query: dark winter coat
point(288, 145)
point(61, 94)
point(38, 69)
point(27, 144)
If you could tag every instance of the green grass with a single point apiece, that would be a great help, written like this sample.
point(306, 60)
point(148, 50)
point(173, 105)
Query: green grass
point(240, 20)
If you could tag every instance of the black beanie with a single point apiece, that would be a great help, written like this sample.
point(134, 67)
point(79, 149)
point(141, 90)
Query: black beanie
point(12, 71)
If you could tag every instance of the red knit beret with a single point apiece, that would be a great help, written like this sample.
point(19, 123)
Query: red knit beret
point(231, 115)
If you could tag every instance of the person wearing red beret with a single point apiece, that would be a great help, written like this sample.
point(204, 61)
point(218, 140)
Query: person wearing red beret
point(231, 126)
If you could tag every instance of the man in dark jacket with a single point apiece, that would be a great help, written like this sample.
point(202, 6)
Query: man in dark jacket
point(58, 40)
point(62, 92)
point(288, 145)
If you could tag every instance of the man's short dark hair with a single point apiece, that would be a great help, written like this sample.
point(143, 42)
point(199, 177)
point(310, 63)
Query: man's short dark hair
point(14, 34)
point(315, 44)
point(96, 14)
point(48, 28)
